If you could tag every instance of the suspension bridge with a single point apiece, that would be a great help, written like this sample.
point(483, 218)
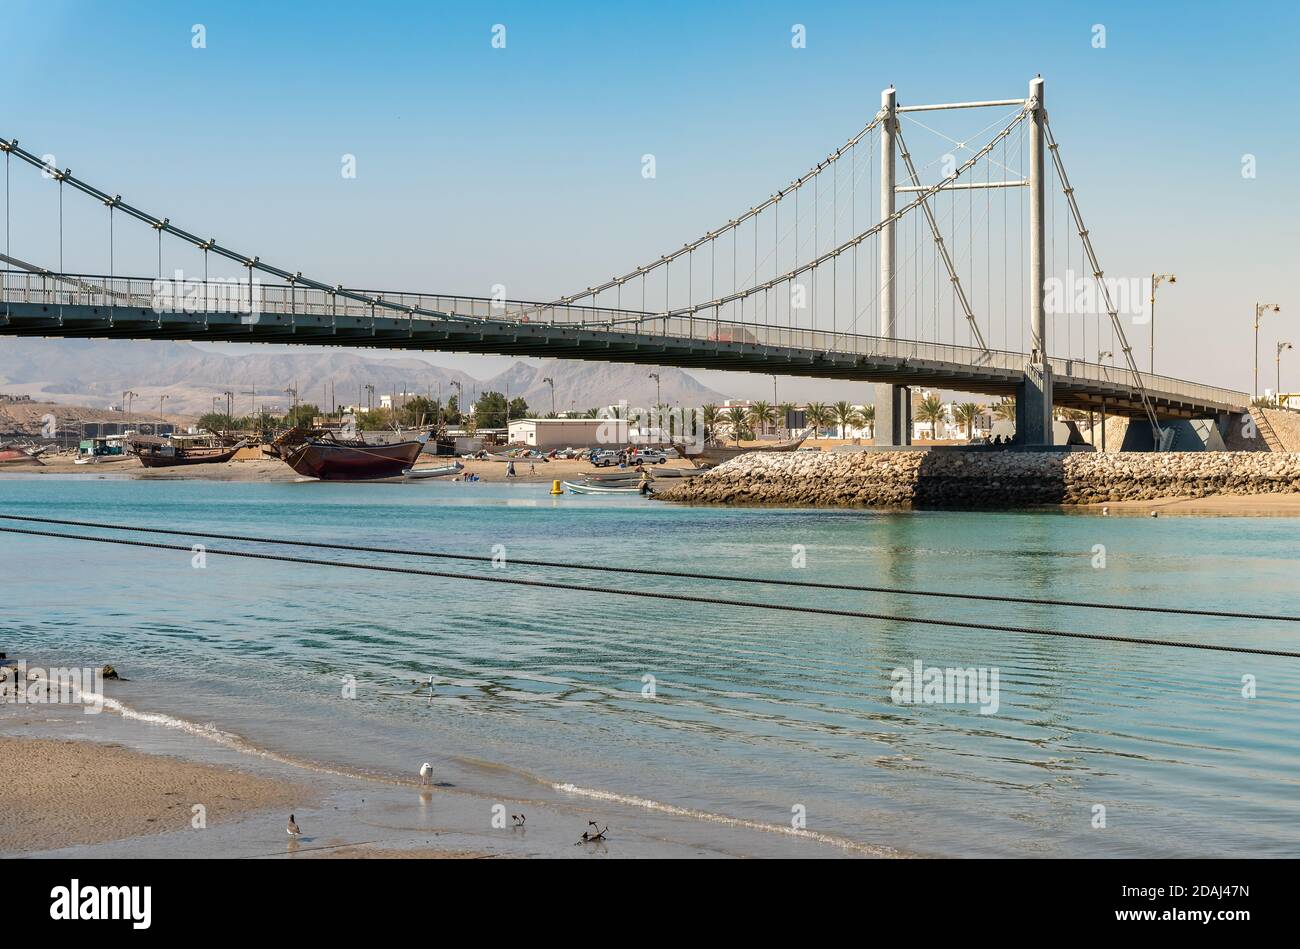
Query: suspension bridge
point(852, 271)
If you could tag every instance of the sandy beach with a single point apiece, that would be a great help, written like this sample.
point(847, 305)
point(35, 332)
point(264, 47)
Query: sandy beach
point(270, 469)
point(1251, 505)
point(56, 793)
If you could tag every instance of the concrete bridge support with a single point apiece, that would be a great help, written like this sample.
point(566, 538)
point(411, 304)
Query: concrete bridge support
point(893, 415)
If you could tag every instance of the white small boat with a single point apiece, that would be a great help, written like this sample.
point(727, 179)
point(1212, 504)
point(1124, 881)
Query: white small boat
point(441, 471)
point(577, 488)
point(102, 459)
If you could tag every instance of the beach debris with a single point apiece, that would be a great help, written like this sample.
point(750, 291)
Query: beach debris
point(110, 673)
point(519, 819)
point(1155, 513)
point(426, 772)
point(598, 834)
point(293, 829)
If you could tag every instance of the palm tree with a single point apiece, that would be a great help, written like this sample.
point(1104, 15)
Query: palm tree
point(760, 414)
point(736, 417)
point(710, 416)
point(845, 415)
point(966, 414)
point(818, 415)
point(931, 410)
point(868, 415)
point(784, 411)
point(1005, 410)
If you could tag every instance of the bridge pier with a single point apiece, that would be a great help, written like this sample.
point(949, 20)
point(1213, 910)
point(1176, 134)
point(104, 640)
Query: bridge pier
point(1034, 406)
point(893, 415)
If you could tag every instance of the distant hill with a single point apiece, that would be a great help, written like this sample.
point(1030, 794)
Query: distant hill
point(95, 373)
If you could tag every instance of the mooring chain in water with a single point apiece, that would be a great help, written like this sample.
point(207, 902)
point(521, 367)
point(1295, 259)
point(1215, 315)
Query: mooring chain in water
point(651, 595)
point(651, 572)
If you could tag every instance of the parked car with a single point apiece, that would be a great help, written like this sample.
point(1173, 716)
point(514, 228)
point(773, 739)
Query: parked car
point(645, 456)
point(605, 457)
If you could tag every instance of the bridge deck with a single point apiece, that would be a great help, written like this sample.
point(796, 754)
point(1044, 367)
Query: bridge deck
point(131, 308)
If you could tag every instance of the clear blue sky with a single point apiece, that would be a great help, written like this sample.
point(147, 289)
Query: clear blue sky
point(521, 166)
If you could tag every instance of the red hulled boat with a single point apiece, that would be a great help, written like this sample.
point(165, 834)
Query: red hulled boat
point(331, 458)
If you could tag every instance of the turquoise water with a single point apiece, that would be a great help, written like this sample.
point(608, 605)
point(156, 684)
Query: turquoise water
point(755, 712)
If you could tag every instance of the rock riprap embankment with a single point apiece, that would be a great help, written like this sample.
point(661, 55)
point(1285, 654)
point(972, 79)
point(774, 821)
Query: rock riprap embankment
point(985, 479)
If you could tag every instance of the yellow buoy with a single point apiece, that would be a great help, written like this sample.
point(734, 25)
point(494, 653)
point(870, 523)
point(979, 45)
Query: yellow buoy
point(555, 487)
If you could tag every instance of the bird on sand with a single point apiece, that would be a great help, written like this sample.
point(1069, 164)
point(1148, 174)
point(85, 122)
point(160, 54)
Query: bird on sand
point(426, 772)
point(293, 829)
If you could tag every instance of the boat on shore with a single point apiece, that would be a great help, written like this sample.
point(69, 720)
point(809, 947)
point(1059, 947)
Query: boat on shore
point(328, 457)
point(579, 487)
point(440, 471)
point(155, 452)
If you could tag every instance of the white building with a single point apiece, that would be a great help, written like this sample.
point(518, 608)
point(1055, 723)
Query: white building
point(547, 433)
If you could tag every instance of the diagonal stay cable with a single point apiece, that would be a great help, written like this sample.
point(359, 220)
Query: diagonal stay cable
point(671, 597)
point(676, 574)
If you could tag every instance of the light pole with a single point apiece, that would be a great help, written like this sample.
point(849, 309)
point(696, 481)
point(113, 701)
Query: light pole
point(1156, 280)
point(1260, 310)
point(129, 398)
point(460, 397)
point(551, 383)
point(1278, 392)
point(655, 377)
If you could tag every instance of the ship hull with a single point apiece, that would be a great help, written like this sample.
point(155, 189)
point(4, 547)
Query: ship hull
point(316, 459)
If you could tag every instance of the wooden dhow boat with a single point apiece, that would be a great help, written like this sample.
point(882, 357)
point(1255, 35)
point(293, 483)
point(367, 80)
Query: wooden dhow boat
point(326, 456)
point(155, 452)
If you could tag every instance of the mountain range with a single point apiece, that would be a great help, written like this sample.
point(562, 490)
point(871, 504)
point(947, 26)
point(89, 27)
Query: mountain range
point(96, 373)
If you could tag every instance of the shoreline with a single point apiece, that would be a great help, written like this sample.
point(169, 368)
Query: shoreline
point(122, 784)
point(274, 471)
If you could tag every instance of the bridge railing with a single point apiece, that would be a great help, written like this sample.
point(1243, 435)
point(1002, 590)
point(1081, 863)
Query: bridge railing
point(168, 294)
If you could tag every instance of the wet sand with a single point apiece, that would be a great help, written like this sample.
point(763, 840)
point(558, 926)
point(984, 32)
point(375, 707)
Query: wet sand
point(57, 793)
point(1254, 505)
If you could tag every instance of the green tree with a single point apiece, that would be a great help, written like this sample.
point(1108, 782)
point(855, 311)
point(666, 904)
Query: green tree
point(490, 411)
point(302, 415)
point(845, 415)
point(419, 411)
point(217, 422)
point(1005, 410)
point(518, 408)
point(760, 414)
point(819, 416)
point(868, 415)
point(452, 415)
point(965, 415)
point(931, 410)
point(737, 417)
point(710, 415)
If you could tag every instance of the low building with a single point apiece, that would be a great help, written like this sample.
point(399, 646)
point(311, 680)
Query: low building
point(547, 433)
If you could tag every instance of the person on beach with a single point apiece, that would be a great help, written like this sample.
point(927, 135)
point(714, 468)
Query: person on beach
point(510, 469)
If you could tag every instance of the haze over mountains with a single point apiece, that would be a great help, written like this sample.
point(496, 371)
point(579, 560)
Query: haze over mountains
point(96, 372)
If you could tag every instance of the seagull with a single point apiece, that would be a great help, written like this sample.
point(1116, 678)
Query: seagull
point(293, 829)
point(519, 819)
point(598, 835)
point(426, 771)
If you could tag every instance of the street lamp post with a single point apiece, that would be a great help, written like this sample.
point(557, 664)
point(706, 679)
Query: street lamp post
point(551, 382)
point(1260, 310)
point(1278, 393)
point(655, 377)
point(1156, 280)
